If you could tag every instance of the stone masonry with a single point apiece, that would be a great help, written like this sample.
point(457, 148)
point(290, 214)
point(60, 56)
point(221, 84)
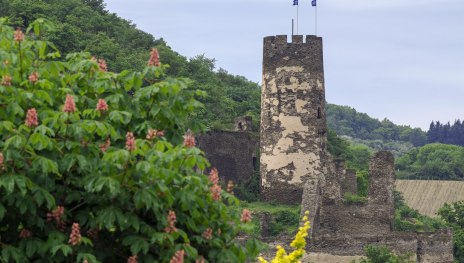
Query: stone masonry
point(293, 123)
point(233, 153)
point(296, 166)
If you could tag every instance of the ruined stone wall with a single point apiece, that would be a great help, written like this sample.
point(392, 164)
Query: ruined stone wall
point(293, 122)
point(232, 153)
point(436, 247)
point(382, 182)
point(368, 220)
point(350, 183)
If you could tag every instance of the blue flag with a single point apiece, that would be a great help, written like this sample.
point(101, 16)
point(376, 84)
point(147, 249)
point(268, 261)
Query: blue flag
point(313, 3)
point(295, 2)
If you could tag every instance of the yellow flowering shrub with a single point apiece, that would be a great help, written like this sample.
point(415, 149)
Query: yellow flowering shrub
point(299, 243)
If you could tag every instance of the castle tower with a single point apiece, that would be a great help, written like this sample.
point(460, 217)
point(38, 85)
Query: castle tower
point(293, 121)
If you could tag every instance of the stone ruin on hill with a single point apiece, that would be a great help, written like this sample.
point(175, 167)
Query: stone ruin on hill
point(295, 166)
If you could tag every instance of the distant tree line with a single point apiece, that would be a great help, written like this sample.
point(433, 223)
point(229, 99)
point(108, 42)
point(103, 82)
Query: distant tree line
point(446, 133)
point(345, 120)
point(433, 161)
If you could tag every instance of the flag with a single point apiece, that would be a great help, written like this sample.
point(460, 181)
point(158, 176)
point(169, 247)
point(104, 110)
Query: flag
point(313, 3)
point(295, 2)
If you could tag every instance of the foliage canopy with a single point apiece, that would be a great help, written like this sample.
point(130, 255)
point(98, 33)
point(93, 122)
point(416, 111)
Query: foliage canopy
point(92, 165)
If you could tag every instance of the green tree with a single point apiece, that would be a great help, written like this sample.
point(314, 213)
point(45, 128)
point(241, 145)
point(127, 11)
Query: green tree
point(453, 214)
point(98, 166)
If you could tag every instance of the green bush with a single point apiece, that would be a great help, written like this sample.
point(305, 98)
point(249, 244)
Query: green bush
point(453, 215)
point(284, 218)
point(408, 219)
point(351, 199)
point(380, 254)
point(84, 176)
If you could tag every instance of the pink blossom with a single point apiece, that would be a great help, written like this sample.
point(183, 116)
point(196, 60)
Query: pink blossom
point(2, 164)
point(31, 118)
point(24, 234)
point(154, 133)
point(200, 260)
point(93, 233)
point(85, 261)
point(75, 236)
point(18, 35)
point(178, 257)
point(154, 58)
point(132, 259)
point(130, 141)
point(34, 77)
point(104, 146)
point(214, 176)
point(57, 216)
point(208, 234)
point(246, 216)
point(6, 80)
point(216, 192)
point(101, 105)
point(189, 140)
point(102, 65)
point(171, 222)
point(69, 104)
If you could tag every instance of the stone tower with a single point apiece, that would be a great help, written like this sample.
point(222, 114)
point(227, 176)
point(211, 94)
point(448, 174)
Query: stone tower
point(293, 121)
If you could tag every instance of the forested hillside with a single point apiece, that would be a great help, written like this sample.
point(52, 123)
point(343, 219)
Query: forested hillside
point(345, 120)
point(85, 25)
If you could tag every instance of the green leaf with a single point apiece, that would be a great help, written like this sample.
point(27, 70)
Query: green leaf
point(12, 254)
point(2, 211)
point(65, 249)
point(137, 244)
point(86, 256)
point(41, 195)
point(45, 96)
point(8, 183)
point(16, 141)
point(122, 117)
point(146, 198)
point(109, 216)
point(6, 126)
point(117, 157)
point(32, 246)
point(100, 182)
point(14, 109)
point(39, 141)
point(44, 130)
point(45, 165)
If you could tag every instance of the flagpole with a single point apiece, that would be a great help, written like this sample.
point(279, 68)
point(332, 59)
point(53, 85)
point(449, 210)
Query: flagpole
point(297, 19)
point(292, 28)
point(316, 20)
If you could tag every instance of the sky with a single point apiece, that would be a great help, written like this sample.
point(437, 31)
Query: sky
point(396, 59)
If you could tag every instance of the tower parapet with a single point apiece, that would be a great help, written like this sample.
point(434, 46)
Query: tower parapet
point(293, 121)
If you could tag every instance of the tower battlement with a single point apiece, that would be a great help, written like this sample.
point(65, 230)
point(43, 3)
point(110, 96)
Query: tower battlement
point(295, 39)
point(278, 52)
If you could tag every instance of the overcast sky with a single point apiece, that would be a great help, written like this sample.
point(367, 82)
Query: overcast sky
point(399, 59)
